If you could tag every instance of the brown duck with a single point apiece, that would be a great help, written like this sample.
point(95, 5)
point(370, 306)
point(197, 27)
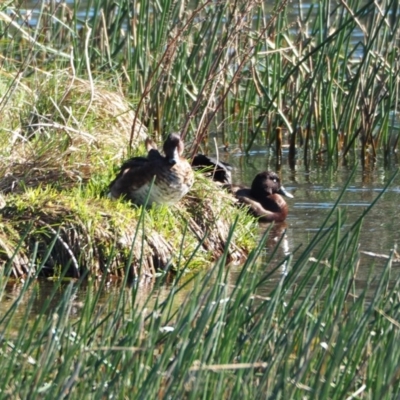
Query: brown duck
point(163, 179)
point(264, 198)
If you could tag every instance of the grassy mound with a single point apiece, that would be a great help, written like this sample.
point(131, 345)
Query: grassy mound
point(58, 129)
point(75, 233)
point(61, 155)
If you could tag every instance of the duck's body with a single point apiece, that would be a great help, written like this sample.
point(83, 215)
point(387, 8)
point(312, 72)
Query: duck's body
point(264, 198)
point(163, 179)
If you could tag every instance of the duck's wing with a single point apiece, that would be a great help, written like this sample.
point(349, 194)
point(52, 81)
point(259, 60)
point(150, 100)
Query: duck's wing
point(135, 174)
point(139, 162)
point(256, 208)
point(258, 211)
point(133, 162)
point(154, 155)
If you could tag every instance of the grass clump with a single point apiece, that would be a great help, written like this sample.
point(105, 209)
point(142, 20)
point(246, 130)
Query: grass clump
point(71, 137)
point(61, 130)
point(77, 234)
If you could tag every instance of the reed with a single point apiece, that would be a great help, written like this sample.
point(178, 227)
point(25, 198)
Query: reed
point(318, 332)
point(326, 74)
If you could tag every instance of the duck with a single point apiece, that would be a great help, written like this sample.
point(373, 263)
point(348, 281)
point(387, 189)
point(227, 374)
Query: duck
point(156, 178)
point(216, 169)
point(264, 199)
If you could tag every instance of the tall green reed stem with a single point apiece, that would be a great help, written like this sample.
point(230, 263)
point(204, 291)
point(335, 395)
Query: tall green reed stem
point(327, 74)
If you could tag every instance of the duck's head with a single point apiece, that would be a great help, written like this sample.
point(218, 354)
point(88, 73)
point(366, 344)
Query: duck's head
point(173, 148)
point(219, 170)
point(268, 183)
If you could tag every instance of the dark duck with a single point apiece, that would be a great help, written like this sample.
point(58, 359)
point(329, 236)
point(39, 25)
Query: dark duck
point(264, 198)
point(163, 179)
point(216, 169)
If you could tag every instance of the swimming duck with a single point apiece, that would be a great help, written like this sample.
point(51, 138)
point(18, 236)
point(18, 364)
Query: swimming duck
point(264, 198)
point(172, 174)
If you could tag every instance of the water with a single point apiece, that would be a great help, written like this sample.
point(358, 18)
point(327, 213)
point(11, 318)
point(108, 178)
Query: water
point(317, 190)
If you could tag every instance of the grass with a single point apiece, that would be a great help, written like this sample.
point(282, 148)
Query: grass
point(326, 76)
point(80, 89)
point(316, 334)
point(74, 233)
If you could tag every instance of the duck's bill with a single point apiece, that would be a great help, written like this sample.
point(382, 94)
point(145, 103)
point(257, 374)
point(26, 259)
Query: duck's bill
point(284, 192)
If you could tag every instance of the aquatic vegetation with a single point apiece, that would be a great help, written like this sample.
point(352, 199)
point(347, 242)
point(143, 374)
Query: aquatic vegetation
point(321, 79)
point(318, 332)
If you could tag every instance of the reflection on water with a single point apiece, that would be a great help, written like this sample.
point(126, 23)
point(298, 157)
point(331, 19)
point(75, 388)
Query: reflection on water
point(44, 297)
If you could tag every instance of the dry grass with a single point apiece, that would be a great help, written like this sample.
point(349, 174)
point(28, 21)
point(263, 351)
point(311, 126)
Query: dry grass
point(59, 128)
